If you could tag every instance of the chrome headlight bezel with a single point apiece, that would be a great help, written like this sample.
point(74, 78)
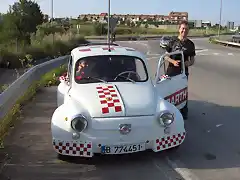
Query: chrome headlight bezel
point(166, 118)
point(79, 119)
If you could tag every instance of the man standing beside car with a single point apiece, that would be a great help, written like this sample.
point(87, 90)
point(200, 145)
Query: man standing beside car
point(184, 44)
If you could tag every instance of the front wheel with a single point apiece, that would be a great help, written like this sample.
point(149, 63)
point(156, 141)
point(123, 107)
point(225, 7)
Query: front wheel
point(62, 157)
point(173, 149)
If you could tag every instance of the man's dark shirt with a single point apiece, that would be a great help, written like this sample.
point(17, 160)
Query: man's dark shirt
point(188, 50)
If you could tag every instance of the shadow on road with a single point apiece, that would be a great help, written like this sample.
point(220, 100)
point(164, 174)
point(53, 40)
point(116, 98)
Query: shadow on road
point(213, 137)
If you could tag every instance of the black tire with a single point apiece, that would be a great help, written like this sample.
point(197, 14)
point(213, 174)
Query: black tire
point(174, 149)
point(62, 157)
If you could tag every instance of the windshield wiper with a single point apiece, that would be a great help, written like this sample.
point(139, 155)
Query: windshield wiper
point(90, 77)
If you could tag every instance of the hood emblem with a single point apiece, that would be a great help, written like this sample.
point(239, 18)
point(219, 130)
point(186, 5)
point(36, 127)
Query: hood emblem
point(125, 128)
point(108, 98)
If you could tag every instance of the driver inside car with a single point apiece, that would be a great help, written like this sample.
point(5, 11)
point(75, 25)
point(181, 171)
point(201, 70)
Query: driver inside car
point(81, 69)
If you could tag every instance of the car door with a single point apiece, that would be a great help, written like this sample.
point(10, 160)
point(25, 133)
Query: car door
point(64, 86)
point(174, 88)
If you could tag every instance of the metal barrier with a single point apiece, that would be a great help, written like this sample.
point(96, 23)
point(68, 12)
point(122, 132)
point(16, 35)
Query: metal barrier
point(17, 89)
point(227, 43)
point(145, 37)
point(236, 38)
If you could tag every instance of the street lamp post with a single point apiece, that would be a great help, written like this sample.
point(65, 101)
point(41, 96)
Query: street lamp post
point(108, 38)
point(220, 19)
point(52, 20)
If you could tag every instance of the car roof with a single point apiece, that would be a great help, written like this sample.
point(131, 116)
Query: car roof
point(98, 49)
point(166, 37)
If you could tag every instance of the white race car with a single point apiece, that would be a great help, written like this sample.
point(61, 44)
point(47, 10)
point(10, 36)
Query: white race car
point(109, 104)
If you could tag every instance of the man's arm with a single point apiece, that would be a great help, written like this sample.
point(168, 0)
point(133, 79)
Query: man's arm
point(167, 57)
point(192, 55)
point(169, 49)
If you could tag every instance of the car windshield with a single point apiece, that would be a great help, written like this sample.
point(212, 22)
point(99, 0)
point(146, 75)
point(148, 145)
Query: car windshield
point(105, 68)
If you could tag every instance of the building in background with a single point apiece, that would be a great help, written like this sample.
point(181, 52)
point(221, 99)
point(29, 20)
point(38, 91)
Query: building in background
point(206, 24)
point(230, 25)
point(199, 23)
point(195, 23)
point(176, 17)
point(172, 17)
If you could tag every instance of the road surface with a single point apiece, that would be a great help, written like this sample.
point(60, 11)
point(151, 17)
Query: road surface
point(211, 150)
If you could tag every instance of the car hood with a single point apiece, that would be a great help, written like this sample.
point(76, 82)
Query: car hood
point(115, 100)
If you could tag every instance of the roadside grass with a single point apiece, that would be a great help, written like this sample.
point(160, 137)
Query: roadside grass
point(88, 30)
point(8, 121)
point(25, 57)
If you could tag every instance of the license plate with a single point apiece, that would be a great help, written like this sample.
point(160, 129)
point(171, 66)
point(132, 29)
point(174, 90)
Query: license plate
point(122, 149)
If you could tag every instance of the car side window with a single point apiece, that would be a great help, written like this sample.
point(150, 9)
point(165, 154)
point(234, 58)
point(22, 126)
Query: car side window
point(169, 69)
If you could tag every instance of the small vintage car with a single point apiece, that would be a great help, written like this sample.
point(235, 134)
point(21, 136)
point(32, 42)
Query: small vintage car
point(164, 41)
point(109, 104)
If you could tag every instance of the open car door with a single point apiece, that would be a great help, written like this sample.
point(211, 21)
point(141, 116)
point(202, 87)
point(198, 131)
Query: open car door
point(171, 88)
point(65, 83)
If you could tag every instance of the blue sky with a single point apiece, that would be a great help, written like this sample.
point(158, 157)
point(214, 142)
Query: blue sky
point(197, 9)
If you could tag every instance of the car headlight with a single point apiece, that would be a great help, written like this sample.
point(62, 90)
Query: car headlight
point(166, 118)
point(79, 123)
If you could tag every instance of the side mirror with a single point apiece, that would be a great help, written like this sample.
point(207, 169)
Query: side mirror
point(64, 78)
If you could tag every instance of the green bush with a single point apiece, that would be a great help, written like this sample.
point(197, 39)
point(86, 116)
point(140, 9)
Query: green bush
point(39, 51)
point(123, 30)
point(100, 29)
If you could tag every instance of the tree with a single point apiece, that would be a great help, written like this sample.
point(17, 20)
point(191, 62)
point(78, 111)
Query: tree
point(22, 19)
point(100, 29)
point(132, 24)
point(128, 22)
point(139, 24)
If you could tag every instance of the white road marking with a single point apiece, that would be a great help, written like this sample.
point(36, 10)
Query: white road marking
point(230, 54)
point(183, 171)
point(202, 54)
point(215, 53)
point(154, 58)
point(202, 50)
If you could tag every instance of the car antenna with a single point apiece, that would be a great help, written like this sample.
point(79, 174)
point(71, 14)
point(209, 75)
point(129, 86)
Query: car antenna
point(108, 38)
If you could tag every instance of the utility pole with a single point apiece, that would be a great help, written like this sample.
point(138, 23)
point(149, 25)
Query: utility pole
point(109, 23)
point(52, 21)
point(220, 18)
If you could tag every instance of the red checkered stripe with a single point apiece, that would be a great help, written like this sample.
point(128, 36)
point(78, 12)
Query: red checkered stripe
point(63, 78)
point(178, 97)
point(164, 76)
point(73, 148)
point(111, 105)
point(169, 141)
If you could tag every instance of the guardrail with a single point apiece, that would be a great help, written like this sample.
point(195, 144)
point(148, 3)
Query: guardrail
point(145, 37)
point(227, 43)
point(17, 89)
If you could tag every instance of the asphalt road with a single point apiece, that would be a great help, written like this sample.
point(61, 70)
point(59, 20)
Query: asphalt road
point(211, 150)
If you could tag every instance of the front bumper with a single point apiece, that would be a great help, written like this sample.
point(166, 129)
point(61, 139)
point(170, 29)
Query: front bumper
point(89, 148)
